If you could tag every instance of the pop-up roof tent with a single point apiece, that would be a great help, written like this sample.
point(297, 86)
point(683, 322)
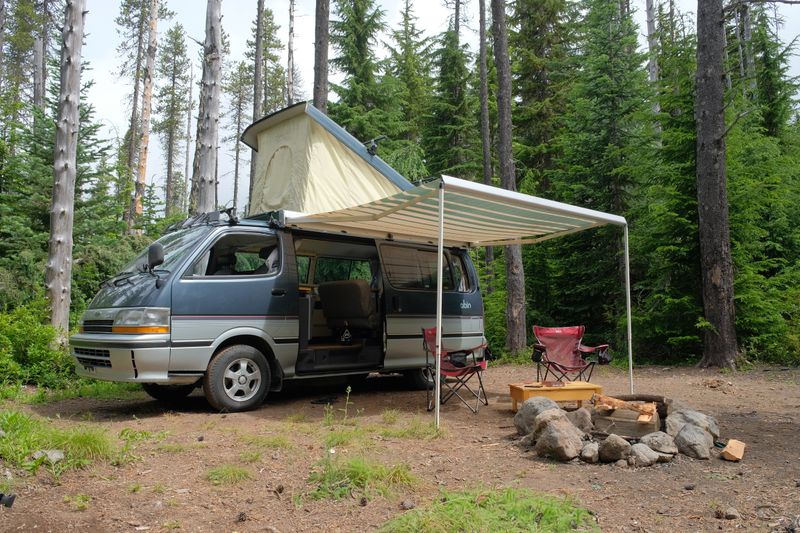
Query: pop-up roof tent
point(308, 163)
point(454, 212)
point(324, 179)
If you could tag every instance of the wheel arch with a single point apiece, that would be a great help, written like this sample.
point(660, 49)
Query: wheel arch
point(260, 342)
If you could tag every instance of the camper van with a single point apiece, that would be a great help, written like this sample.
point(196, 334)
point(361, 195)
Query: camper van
point(241, 307)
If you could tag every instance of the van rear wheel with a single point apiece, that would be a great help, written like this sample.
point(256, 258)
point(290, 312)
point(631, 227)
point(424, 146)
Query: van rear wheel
point(168, 393)
point(237, 379)
point(419, 378)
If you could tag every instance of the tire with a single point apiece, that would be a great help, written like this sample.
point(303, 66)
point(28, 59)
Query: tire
point(237, 379)
point(168, 393)
point(419, 378)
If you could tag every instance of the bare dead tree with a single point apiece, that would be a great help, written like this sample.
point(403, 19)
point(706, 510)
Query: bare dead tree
point(257, 86)
point(290, 57)
point(486, 142)
point(58, 273)
point(716, 264)
point(321, 55)
point(147, 107)
point(516, 338)
point(190, 88)
point(204, 175)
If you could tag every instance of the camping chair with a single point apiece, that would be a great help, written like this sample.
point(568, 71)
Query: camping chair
point(560, 352)
point(458, 367)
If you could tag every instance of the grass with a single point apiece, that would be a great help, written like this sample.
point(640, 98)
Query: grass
point(84, 388)
point(340, 437)
point(133, 488)
point(227, 475)
point(171, 447)
point(26, 434)
point(489, 510)
point(390, 416)
point(416, 429)
point(79, 502)
point(250, 456)
point(337, 479)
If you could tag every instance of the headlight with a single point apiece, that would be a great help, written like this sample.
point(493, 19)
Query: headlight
point(138, 320)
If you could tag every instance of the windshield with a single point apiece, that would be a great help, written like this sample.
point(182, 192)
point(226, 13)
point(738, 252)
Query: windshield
point(176, 246)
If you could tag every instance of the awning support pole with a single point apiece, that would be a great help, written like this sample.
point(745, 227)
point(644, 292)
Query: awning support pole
point(440, 272)
point(628, 306)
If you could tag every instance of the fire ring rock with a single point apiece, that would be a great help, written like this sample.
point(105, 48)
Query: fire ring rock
point(614, 448)
point(694, 441)
point(529, 410)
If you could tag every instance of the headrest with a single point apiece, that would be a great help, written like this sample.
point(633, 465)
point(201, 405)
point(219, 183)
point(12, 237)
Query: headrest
point(265, 252)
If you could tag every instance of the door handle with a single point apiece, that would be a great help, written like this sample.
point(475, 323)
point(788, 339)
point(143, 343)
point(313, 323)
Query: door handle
point(278, 292)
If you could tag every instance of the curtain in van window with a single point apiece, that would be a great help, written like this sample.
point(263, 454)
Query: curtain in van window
point(410, 268)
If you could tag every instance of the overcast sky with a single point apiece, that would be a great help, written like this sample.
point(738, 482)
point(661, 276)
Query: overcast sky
point(110, 95)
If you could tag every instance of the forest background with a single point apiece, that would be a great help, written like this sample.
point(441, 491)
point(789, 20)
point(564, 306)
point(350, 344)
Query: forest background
point(602, 118)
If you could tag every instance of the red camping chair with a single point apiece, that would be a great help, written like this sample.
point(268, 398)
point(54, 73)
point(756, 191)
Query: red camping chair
point(560, 352)
point(458, 367)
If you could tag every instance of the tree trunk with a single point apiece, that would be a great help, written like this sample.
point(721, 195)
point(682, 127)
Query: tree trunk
point(40, 57)
point(321, 55)
point(58, 274)
point(236, 153)
point(208, 121)
point(457, 20)
point(147, 107)
point(749, 61)
point(258, 110)
point(185, 199)
point(652, 48)
point(515, 277)
point(2, 39)
point(134, 122)
point(290, 56)
point(486, 142)
point(719, 346)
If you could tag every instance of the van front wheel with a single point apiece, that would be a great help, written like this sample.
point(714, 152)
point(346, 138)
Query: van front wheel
point(237, 379)
point(419, 378)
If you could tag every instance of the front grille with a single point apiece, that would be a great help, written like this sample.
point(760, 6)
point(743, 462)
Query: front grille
point(92, 357)
point(94, 362)
point(97, 326)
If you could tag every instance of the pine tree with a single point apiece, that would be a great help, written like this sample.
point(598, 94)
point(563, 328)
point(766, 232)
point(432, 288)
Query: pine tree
point(321, 28)
point(365, 104)
point(451, 142)
point(273, 73)
point(604, 148)
point(237, 87)
point(171, 108)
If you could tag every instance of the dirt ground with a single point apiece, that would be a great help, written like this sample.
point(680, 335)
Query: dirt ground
point(165, 486)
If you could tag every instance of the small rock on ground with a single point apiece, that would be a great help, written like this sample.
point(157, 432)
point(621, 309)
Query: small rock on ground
point(590, 452)
point(660, 442)
point(52, 456)
point(643, 455)
point(732, 514)
point(614, 448)
point(407, 505)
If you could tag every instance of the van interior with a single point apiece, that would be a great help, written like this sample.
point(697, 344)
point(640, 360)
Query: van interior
point(341, 291)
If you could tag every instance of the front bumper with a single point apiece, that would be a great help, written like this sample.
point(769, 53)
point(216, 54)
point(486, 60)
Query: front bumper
point(133, 358)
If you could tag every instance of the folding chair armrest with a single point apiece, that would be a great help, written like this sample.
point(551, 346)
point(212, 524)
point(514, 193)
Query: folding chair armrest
point(603, 356)
point(538, 353)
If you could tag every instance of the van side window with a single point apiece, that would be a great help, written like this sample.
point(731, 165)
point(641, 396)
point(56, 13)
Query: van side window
point(409, 268)
point(460, 276)
point(303, 266)
point(239, 254)
point(335, 269)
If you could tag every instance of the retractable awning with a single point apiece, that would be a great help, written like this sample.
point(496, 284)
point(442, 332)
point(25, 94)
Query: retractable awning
point(453, 212)
point(475, 215)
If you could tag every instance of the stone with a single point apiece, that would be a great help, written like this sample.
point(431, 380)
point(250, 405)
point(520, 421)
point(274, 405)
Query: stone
point(694, 442)
point(582, 419)
point(642, 455)
point(678, 419)
point(590, 452)
point(559, 439)
point(52, 456)
point(732, 514)
point(660, 442)
point(529, 410)
point(622, 463)
point(664, 457)
point(546, 418)
point(614, 448)
point(689, 486)
point(527, 441)
point(407, 505)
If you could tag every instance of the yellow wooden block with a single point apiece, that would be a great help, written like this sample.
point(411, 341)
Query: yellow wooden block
point(572, 391)
point(734, 451)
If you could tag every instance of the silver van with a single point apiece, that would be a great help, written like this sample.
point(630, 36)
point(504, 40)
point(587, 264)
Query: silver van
point(240, 307)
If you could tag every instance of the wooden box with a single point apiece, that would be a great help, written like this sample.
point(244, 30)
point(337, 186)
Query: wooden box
point(572, 391)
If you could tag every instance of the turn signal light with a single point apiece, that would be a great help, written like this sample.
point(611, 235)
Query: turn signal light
point(140, 329)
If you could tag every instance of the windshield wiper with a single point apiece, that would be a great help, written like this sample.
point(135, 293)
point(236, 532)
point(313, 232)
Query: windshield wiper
point(122, 276)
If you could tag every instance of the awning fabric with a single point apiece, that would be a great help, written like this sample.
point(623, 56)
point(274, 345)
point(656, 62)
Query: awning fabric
point(474, 215)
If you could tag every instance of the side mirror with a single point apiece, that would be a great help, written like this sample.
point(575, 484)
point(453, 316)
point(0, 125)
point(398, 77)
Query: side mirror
point(155, 255)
